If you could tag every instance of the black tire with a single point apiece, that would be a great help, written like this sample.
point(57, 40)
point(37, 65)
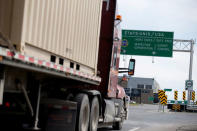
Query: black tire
point(83, 112)
point(94, 114)
point(117, 125)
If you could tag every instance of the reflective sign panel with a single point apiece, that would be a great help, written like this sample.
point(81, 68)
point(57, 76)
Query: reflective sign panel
point(147, 43)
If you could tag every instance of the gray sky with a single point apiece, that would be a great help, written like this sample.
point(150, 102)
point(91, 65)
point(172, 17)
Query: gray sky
point(178, 16)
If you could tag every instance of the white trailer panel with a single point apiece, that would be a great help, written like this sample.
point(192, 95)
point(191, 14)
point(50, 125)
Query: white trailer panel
point(68, 29)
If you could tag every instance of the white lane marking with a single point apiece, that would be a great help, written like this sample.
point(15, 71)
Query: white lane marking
point(134, 129)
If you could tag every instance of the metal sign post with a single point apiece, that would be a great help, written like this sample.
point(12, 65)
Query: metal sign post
point(162, 107)
point(190, 69)
point(186, 46)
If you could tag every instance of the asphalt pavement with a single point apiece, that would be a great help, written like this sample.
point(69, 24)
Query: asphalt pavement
point(146, 117)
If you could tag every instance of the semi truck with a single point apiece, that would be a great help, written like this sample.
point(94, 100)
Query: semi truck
point(59, 65)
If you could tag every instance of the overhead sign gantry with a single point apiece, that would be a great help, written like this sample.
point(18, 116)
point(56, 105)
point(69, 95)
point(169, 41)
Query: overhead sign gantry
point(157, 43)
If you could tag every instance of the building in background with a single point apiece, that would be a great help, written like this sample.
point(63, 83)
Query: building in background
point(141, 90)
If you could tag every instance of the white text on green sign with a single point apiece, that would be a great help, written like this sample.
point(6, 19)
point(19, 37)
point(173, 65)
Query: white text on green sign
point(147, 43)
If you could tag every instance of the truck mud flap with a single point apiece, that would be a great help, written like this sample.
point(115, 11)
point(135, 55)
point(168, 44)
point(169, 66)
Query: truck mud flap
point(59, 115)
point(2, 75)
point(110, 111)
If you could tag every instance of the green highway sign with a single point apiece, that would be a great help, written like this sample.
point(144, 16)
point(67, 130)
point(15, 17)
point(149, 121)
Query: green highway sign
point(150, 98)
point(167, 89)
point(171, 101)
point(147, 43)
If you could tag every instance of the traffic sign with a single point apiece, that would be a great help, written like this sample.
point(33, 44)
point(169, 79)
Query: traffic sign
point(189, 84)
point(171, 101)
point(164, 100)
point(150, 98)
point(167, 89)
point(161, 93)
point(147, 43)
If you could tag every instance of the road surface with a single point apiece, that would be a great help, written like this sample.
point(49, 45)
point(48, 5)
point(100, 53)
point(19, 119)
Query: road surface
point(148, 118)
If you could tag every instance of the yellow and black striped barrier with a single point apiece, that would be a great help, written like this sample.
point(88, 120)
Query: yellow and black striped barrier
point(175, 95)
point(184, 95)
point(176, 107)
point(193, 95)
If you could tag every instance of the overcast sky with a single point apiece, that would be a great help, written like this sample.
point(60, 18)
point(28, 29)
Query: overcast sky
point(178, 16)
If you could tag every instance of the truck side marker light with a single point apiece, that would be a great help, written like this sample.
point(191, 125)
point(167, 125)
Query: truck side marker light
point(40, 62)
point(31, 59)
point(7, 104)
point(10, 54)
point(1, 58)
point(119, 17)
point(22, 57)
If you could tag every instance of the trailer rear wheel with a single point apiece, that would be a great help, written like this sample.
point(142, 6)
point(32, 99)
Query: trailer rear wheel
point(94, 114)
point(83, 112)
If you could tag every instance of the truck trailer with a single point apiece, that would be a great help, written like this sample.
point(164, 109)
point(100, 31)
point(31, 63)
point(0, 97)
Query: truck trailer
point(59, 64)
